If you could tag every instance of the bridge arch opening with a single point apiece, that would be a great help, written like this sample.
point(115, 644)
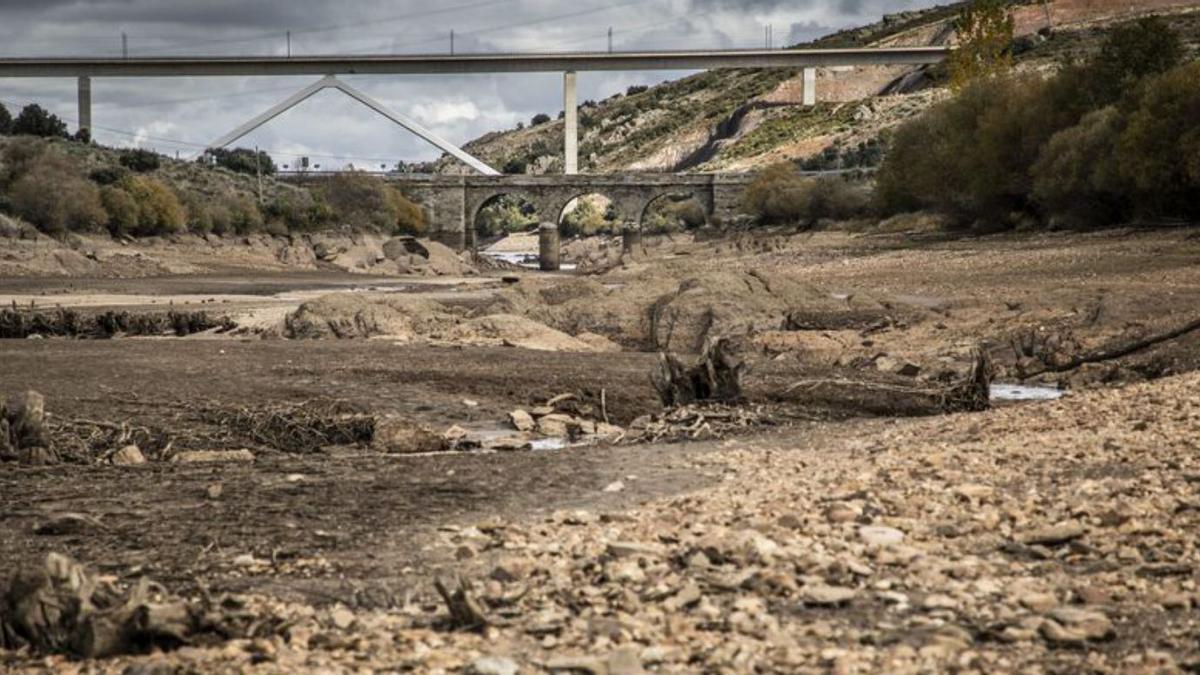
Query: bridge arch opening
point(506, 228)
point(588, 215)
point(673, 212)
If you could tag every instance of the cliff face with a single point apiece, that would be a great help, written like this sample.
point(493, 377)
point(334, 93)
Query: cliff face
point(741, 120)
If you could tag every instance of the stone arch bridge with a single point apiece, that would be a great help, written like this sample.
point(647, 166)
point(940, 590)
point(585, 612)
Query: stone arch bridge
point(452, 203)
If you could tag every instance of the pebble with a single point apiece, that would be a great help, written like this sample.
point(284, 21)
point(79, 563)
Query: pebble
point(130, 455)
point(493, 665)
point(880, 536)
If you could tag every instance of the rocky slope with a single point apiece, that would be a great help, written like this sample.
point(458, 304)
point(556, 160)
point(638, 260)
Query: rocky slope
point(740, 120)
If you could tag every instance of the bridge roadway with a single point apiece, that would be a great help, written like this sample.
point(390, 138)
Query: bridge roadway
point(442, 64)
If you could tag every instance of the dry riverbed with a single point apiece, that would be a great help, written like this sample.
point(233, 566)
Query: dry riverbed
point(1057, 536)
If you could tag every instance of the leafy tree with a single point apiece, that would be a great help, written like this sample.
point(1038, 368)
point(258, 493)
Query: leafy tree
point(36, 121)
point(1129, 53)
point(1159, 150)
point(6, 121)
point(985, 37)
point(1075, 179)
point(139, 160)
point(244, 160)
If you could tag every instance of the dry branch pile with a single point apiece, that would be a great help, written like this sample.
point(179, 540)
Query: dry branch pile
point(16, 323)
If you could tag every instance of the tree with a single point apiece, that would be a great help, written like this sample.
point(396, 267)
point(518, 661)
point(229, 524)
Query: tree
point(540, 118)
point(1132, 52)
point(985, 36)
point(139, 160)
point(36, 121)
point(6, 121)
point(244, 160)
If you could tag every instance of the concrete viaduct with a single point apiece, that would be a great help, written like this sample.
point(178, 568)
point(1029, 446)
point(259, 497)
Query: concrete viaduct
point(454, 201)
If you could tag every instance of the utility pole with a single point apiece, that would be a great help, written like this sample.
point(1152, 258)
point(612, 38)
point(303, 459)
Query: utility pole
point(1049, 20)
point(124, 45)
point(610, 39)
point(451, 42)
point(258, 172)
point(289, 44)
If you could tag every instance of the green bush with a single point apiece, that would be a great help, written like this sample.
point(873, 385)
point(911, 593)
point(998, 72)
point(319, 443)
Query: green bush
point(588, 218)
point(779, 194)
point(139, 160)
point(410, 217)
point(1158, 153)
point(122, 210)
point(1008, 150)
point(159, 210)
point(109, 175)
point(6, 121)
point(298, 211)
point(51, 194)
point(244, 216)
point(244, 160)
point(365, 202)
point(1074, 178)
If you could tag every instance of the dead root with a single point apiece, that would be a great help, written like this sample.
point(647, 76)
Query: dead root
point(59, 607)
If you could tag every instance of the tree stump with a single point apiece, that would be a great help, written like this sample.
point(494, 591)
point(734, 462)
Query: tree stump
point(716, 376)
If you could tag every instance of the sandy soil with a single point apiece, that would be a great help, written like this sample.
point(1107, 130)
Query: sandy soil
point(1046, 536)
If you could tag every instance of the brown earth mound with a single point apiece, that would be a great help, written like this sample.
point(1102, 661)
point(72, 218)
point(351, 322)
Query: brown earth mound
point(353, 315)
point(510, 330)
point(662, 312)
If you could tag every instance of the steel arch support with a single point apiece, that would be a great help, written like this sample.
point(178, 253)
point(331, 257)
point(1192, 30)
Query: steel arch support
point(332, 82)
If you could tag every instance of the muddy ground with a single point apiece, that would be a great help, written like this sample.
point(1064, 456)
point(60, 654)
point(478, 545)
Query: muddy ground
point(352, 528)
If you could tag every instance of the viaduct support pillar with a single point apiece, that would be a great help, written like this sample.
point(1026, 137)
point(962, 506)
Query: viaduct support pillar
point(810, 86)
point(631, 239)
point(85, 106)
point(548, 253)
point(570, 125)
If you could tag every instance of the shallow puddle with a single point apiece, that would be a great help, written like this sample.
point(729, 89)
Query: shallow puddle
point(1021, 392)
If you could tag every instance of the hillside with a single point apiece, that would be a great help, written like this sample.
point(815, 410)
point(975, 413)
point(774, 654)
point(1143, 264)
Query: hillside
point(740, 120)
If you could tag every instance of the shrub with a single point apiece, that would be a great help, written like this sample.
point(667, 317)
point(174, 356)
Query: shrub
point(517, 165)
point(1074, 178)
point(17, 156)
point(361, 201)
point(139, 160)
point(540, 118)
point(588, 218)
point(6, 121)
point(298, 211)
point(109, 175)
point(36, 121)
point(410, 217)
point(636, 89)
point(1158, 153)
point(780, 195)
point(244, 216)
point(122, 210)
point(244, 160)
point(985, 34)
point(1129, 53)
point(159, 210)
point(53, 196)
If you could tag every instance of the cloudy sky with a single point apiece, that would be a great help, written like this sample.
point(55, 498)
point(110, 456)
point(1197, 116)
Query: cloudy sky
point(181, 115)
